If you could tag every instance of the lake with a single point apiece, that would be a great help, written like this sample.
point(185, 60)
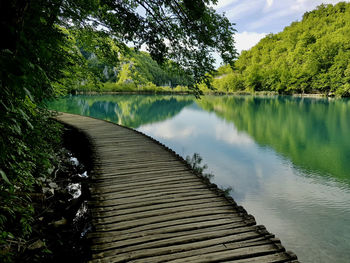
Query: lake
point(287, 159)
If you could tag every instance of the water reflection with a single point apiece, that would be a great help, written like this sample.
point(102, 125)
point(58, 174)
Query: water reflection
point(312, 133)
point(287, 159)
point(127, 110)
point(310, 212)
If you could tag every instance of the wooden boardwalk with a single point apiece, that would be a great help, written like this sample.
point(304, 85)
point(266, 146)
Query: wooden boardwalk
point(148, 206)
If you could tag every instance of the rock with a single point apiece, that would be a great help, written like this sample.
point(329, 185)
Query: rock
point(60, 222)
point(36, 245)
point(53, 185)
point(84, 175)
point(48, 190)
point(74, 161)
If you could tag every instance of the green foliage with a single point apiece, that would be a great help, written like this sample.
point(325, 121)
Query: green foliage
point(29, 139)
point(141, 68)
point(148, 87)
point(310, 56)
point(195, 163)
point(43, 53)
point(133, 71)
point(31, 53)
point(168, 28)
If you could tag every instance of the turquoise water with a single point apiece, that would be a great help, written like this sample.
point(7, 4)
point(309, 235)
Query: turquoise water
point(286, 159)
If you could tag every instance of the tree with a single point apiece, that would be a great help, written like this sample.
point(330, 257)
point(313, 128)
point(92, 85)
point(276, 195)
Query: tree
point(38, 58)
point(186, 32)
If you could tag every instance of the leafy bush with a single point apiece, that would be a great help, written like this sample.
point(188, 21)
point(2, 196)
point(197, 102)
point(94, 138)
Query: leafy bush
point(34, 138)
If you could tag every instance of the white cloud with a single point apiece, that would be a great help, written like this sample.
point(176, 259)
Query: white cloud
point(269, 2)
point(270, 18)
point(243, 9)
point(168, 130)
point(244, 41)
point(267, 15)
point(224, 3)
point(144, 47)
point(247, 40)
point(233, 137)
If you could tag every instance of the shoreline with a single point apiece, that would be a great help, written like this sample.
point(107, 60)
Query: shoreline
point(214, 93)
point(132, 93)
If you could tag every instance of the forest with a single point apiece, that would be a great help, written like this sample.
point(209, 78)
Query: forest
point(49, 47)
point(310, 56)
point(133, 71)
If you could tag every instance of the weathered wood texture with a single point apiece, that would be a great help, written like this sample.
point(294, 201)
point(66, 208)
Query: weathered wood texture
point(148, 206)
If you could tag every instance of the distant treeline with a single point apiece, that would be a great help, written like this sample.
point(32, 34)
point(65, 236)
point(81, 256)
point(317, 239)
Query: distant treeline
point(310, 56)
point(130, 71)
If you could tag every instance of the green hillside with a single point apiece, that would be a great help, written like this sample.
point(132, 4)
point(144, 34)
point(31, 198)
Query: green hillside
point(101, 64)
point(133, 71)
point(310, 56)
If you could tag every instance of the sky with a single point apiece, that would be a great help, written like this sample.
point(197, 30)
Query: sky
point(256, 18)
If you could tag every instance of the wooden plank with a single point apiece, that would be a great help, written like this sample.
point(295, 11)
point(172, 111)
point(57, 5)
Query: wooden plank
point(142, 250)
point(138, 177)
point(273, 258)
point(149, 193)
point(159, 209)
point(102, 190)
point(157, 240)
point(140, 164)
point(201, 251)
point(112, 217)
point(109, 178)
point(153, 198)
point(188, 227)
point(146, 184)
point(236, 254)
point(113, 174)
point(141, 202)
point(173, 225)
point(155, 189)
point(122, 225)
point(125, 161)
point(135, 173)
point(133, 169)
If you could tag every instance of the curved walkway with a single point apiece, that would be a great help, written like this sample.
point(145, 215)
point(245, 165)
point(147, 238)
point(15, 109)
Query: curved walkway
point(148, 206)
